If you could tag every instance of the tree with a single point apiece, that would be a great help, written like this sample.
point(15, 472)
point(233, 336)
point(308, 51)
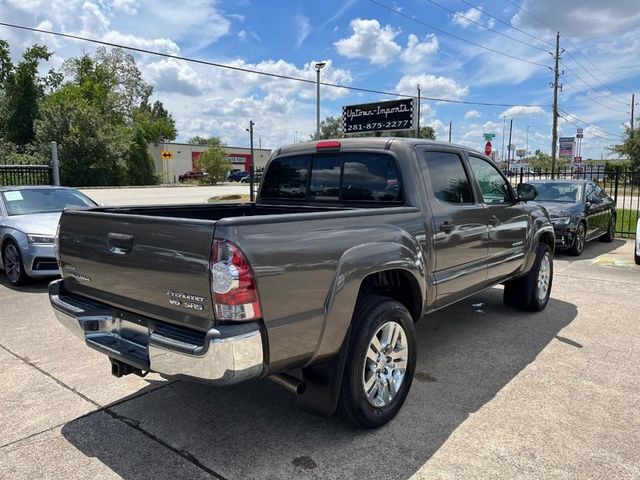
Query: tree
point(198, 140)
point(629, 149)
point(541, 162)
point(22, 90)
point(214, 162)
point(331, 127)
point(156, 123)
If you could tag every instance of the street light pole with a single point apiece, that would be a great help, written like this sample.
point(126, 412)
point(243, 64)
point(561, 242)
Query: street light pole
point(319, 66)
point(504, 120)
point(526, 152)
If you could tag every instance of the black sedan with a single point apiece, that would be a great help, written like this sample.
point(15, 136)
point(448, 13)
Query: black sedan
point(580, 211)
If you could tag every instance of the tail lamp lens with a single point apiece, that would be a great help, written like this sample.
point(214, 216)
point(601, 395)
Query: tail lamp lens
point(233, 286)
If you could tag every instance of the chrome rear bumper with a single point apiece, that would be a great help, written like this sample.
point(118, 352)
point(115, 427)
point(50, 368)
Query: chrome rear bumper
point(222, 356)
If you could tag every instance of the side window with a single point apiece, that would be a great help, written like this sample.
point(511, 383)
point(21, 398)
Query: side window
point(325, 178)
point(591, 192)
point(447, 177)
point(493, 186)
point(600, 192)
point(370, 177)
point(286, 178)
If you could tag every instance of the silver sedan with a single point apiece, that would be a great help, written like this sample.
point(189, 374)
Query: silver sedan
point(28, 221)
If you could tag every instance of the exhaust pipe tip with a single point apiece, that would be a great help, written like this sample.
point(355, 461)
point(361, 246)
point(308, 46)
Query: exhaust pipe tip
point(291, 383)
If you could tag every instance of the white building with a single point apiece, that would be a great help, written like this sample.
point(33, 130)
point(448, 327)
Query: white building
point(181, 158)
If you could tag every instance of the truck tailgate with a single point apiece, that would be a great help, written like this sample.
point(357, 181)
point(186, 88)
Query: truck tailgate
point(155, 266)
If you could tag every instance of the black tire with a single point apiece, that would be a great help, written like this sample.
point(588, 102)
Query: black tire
point(523, 292)
point(372, 313)
point(611, 231)
point(579, 239)
point(13, 265)
point(636, 257)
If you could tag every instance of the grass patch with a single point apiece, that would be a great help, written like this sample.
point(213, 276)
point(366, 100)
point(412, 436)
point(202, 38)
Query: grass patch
point(229, 199)
point(626, 221)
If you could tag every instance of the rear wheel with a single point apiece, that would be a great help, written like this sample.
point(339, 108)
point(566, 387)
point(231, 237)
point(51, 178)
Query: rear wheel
point(532, 291)
point(611, 231)
point(380, 362)
point(13, 266)
point(578, 240)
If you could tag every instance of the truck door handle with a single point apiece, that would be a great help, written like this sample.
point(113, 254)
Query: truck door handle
point(447, 226)
point(494, 221)
point(120, 243)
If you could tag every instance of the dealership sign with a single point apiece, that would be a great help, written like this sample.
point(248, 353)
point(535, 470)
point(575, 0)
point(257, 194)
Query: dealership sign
point(379, 116)
point(566, 146)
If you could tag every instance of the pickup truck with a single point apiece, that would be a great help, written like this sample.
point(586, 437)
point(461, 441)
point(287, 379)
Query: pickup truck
point(318, 284)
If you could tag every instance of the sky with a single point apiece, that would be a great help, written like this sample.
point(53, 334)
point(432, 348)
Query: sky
point(495, 51)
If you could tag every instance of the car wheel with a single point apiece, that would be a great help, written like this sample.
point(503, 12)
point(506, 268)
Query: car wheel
point(532, 291)
point(13, 266)
point(380, 362)
point(611, 231)
point(579, 239)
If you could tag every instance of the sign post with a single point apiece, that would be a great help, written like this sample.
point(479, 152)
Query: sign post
point(379, 116)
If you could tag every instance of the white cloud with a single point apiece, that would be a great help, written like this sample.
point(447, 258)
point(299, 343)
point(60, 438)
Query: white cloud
point(417, 50)
point(371, 41)
point(522, 111)
point(431, 86)
point(472, 114)
point(466, 19)
point(303, 26)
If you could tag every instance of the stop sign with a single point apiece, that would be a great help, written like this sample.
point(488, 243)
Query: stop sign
point(487, 149)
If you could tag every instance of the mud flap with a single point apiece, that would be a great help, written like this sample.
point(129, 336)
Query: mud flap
point(323, 384)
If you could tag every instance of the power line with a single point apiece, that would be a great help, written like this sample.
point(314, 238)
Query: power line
point(604, 132)
point(259, 72)
point(506, 23)
point(444, 32)
point(569, 53)
point(593, 87)
point(590, 133)
point(591, 98)
point(485, 27)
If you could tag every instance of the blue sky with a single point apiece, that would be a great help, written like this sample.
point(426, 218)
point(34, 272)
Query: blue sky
point(365, 45)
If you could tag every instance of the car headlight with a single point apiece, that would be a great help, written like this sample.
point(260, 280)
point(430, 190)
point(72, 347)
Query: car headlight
point(561, 220)
point(40, 239)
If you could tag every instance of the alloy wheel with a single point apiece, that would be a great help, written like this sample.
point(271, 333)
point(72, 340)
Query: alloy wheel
point(385, 364)
point(544, 277)
point(12, 263)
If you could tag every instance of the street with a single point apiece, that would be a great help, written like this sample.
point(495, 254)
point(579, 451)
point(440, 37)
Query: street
point(497, 394)
point(182, 194)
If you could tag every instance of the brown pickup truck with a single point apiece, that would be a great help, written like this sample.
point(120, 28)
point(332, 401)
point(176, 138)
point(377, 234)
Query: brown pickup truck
point(318, 284)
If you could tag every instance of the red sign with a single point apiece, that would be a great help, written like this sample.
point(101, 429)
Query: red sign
point(487, 149)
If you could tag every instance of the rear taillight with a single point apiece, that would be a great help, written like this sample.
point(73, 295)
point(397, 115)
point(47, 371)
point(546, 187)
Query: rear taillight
point(233, 286)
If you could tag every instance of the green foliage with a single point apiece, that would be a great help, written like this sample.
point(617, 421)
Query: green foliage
point(22, 89)
point(629, 149)
point(156, 123)
point(12, 154)
point(331, 127)
point(198, 140)
point(541, 162)
point(214, 162)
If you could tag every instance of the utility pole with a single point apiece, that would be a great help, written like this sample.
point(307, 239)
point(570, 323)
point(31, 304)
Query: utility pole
point(556, 86)
point(319, 66)
point(250, 130)
point(509, 147)
point(449, 131)
point(633, 102)
point(418, 120)
point(526, 151)
point(504, 120)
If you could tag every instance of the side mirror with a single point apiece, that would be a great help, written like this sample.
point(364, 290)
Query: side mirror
point(526, 192)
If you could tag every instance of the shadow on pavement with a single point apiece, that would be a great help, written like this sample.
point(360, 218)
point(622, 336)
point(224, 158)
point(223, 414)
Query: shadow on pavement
point(466, 354)
point(592, 249)
point(34, 286)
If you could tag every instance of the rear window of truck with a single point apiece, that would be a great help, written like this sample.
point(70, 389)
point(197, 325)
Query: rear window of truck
point(338, 177)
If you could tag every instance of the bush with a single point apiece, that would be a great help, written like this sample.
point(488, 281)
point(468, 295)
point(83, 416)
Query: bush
point(214, 163)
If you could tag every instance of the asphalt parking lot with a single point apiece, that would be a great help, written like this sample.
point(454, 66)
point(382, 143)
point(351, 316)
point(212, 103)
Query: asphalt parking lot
point(497, 394)
point(178, 194)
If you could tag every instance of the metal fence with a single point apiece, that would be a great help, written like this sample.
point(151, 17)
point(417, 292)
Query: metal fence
point(25, 175)
point(621, 184)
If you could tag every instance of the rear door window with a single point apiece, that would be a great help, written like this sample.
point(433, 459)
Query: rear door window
point(370, 177)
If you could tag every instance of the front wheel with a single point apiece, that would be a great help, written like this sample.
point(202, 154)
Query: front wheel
point(532, 291)
point(380, 362)
point(13, 266)
point(579, 240)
